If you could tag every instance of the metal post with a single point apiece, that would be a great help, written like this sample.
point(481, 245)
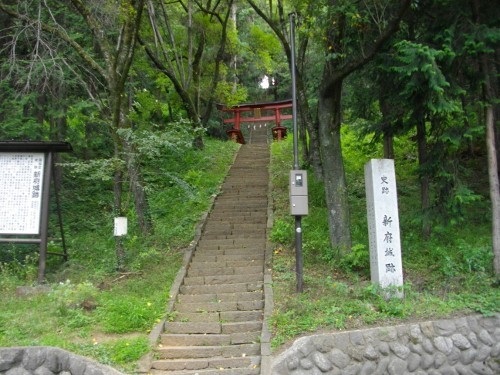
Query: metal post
point(44, 219)
point(298, 219)
point(294, 94)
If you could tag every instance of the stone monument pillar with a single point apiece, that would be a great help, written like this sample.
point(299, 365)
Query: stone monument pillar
point(383, 224)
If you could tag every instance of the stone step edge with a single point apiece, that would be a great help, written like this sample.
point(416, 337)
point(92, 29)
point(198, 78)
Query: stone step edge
point(190, 352)
point(214, 363)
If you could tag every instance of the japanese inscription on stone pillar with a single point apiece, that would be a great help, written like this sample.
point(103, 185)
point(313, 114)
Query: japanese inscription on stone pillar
point(21, 183)
point(383, 223)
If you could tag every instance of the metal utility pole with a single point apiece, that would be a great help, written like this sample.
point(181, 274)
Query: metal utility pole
point(298, 178)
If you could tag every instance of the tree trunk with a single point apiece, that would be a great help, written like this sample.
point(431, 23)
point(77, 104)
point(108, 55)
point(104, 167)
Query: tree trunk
point(494, 186)
point(329, 114)
point(314, 155)
point(493, 174)
point(424, 177)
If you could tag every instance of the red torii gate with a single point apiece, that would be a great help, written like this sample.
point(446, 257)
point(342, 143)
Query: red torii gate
point(279, 132)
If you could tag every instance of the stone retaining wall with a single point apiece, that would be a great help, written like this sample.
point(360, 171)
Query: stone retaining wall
point(469, 345)
point(43, 360)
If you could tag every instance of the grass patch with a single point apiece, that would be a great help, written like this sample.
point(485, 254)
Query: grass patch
point(449, 275)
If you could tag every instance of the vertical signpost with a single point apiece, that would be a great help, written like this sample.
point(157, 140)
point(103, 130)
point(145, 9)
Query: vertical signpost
point(25, 175)
point(383, 225)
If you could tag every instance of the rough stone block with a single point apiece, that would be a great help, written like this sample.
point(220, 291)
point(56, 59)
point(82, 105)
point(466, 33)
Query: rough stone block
point(481, 369)
point(426, 361)
point(439, 360)
point(306, 364)
point(462, 326)
point(415, 333)
point(352, 369)
point(400, 350)
point(468, 356)
point(371, 353)
point(396, 367)
point(382, 366)
point(428, 329)
point(448, 370)
point(368, 368)
point(293, 363)
point(473, 339)
point(357, 338)
point(443, 344)
point(42, 370)
point(486, 338)
point(388, 334)
point(384, 349)
point(495, 351)
point(428, 347)
point(483, 353)
point(445, 327)
point(416, 348)
point(339, 358)
point(454, 357)
point(460, 341)
point(321, 362)
point(413, 361)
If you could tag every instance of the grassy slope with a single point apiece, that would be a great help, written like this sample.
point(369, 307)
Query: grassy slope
point(448, 275)
point(87, 307)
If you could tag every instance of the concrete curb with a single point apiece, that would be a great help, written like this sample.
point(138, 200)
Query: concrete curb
point(144, 364)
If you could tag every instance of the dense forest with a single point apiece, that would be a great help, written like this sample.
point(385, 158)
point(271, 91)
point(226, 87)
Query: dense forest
point(133, 86)
point(109, 76)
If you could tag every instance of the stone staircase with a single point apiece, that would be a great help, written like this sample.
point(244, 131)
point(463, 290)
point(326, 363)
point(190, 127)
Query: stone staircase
point(217, 319)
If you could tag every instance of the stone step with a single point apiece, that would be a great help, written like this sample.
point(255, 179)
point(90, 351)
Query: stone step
point(222, 297)
point(210, 256)
point(213, 327)
point(234, 226)
point(233, 371)
point(226, 263)
point(231, 243)
point(236, 236)
point(223, 279)
point(217, 316)
point(224, 270)
point(222, 288)
point(198, 317)
point(194, 339)
point(224, 351)
point(210, 307)
point(208, 250)
point(210, 365)
point(170, 339)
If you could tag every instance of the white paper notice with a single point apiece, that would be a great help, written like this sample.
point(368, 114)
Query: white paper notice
point(21, 186)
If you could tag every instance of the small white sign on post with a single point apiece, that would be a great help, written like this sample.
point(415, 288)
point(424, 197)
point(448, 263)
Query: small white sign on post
point(120, 226)
point(383, 224)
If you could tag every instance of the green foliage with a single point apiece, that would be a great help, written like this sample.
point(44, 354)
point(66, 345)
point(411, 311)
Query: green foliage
point(357, 260)
point(119, 315)
point(66, 296)
point(450, 274)
point(423, 83)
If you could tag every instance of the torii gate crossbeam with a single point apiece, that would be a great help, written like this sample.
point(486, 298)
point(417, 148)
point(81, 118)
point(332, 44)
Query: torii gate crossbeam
point(237, 119)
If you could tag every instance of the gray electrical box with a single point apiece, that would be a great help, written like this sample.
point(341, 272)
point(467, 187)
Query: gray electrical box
point(299, 203)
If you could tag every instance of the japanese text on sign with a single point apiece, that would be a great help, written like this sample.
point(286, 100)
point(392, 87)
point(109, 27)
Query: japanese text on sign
point(21, 185)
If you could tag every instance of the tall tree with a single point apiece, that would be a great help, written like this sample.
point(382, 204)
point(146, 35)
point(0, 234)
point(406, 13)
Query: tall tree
point(113, 31)
point(351, 41)
point(188, 42)
point(489, 97)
